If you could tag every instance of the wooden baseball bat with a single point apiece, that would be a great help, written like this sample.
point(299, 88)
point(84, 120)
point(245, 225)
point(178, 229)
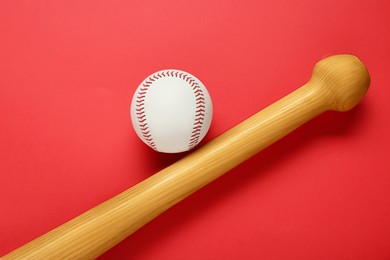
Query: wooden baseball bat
point(337, 83)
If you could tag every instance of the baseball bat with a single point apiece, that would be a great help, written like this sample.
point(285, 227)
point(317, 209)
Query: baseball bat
point(337, 83)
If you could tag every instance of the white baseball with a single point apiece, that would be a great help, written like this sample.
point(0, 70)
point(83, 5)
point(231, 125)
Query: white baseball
point(171, 111)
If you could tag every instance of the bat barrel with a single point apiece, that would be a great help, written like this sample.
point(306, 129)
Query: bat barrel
point(338, 83)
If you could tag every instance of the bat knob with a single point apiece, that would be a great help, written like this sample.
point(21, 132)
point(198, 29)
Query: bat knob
point(343, 80)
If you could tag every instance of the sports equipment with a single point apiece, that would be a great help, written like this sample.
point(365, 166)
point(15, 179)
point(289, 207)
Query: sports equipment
point(171, 111)
point(338, 83)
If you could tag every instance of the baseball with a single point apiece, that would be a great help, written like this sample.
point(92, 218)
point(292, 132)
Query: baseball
point(171, 111)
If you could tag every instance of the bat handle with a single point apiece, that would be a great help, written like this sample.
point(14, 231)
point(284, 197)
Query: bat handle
point(337, 83)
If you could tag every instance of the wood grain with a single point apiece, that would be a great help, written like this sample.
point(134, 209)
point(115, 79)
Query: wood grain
point(338, 83)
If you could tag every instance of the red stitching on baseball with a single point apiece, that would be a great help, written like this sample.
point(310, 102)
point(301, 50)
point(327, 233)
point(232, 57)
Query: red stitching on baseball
point(199, 116)
point(141, 116)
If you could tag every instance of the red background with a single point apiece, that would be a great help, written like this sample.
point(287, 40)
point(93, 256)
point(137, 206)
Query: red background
point(68, 70)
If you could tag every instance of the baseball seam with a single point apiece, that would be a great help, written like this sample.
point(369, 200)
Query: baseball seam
point(199, 101)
